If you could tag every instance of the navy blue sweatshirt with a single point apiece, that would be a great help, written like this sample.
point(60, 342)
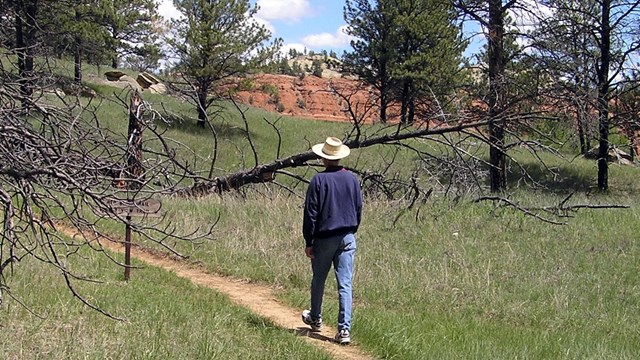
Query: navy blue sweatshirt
point(333, 205)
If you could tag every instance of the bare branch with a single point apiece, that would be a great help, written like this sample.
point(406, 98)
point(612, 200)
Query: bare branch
point(561, 210)
point(256, 175)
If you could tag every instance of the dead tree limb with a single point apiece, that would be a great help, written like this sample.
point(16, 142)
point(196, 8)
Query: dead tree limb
point(561, 210)
point(134, 169)
point(257, 174)
point(58, 166)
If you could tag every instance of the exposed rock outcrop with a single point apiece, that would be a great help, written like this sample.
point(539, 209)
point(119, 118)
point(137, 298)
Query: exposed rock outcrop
point(309, 96)
point(614, 155)
point(114, 75)
point(158, 88)
point(145, 80)
point(120, 79)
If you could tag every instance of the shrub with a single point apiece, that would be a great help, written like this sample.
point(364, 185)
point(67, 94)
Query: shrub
point(246, 84)
point(316, 68)
point(274, 99)
point(269, 89)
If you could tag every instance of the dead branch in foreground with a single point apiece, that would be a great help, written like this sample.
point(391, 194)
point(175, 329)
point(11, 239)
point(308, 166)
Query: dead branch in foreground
point(561, 210)
point(263, 173)
point(58, 166)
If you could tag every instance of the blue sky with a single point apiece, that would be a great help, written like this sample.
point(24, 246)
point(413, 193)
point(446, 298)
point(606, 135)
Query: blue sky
point(311, 24)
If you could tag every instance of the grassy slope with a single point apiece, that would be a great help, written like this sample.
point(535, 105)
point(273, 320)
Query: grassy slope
point(167, 318)
point(460, 280)
point(446, 281)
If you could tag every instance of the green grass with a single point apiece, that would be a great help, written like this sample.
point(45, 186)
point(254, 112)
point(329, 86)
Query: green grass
point(446, 279)
point(167, 318)
point(461, 280)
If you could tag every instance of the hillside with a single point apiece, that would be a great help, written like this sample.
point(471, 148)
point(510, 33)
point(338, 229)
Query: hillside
point(309, 96)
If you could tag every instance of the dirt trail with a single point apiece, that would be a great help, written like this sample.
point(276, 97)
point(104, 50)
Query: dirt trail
point(259, 299)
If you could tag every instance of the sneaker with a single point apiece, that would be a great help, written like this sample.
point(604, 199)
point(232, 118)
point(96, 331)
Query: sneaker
point(316, 324)
point(342, 337)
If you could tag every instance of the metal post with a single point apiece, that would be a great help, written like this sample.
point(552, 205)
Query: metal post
point(127, 249)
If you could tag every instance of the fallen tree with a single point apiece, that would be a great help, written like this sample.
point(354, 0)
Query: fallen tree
point(264, 173)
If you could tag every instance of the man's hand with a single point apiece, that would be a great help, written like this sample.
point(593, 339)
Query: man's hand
point(309, 252)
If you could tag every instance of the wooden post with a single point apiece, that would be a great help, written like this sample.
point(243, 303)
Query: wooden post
point(127, 249)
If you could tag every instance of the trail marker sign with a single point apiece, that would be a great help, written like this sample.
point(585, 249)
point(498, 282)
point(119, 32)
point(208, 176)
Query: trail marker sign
point(146, 208)
point(140, 208)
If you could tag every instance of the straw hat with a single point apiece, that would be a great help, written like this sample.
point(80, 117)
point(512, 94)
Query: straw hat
point(331, 149)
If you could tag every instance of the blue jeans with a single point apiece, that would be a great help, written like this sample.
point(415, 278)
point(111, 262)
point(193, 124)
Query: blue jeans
point(339, 250)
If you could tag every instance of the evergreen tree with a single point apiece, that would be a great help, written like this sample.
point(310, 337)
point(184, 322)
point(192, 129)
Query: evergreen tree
point(215, 41)
point(76, 30)
point(144, 58)
point(89, 35)
point(428, 55)
point(373, 50)
point(316, 68)
point(569, 54)
point(405, 48)
point(133, 28)
point(26, 37)
point(492, 15)
point(284, 67)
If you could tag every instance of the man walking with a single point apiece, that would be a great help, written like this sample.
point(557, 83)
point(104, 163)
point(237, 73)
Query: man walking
point(332, 213)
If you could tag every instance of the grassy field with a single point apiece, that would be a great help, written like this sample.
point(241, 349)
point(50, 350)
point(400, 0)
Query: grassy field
point(461, 281)
point(447, 279)
point(167, 318)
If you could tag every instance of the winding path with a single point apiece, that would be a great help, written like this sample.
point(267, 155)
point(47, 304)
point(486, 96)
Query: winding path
point(257, 298)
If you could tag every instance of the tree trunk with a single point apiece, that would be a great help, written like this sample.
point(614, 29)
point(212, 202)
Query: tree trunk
point(412, 111)
point(384, 93)
point(263, 173)
point(25, 27)
point(77, 62)
point(77, 55)
point(21, 49)
point(134, 169)
point(580, 122)
point(603, 95)
point(202, 110)
point(404, 101)
point(633, 144)
point(383, 108)
point(497, 96)
point(115, 59)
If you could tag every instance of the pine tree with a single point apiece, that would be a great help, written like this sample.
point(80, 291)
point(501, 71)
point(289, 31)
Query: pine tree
point(492, 15)
point(372, 54)
point(610, 47)
point(76, 29)
point(428, 55)
point(26, 32)
point(215, 41)
point(406, 49)
point(132, 26)
point(568, 54)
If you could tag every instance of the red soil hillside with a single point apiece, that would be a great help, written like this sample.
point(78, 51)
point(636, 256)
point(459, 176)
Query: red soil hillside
point(309, 97)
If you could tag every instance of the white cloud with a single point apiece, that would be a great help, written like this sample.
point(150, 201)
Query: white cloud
point(290, 10)
point(327, 40)
point(167, 10)
point(286, 47)
point(529, 14)
point(266, 23)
